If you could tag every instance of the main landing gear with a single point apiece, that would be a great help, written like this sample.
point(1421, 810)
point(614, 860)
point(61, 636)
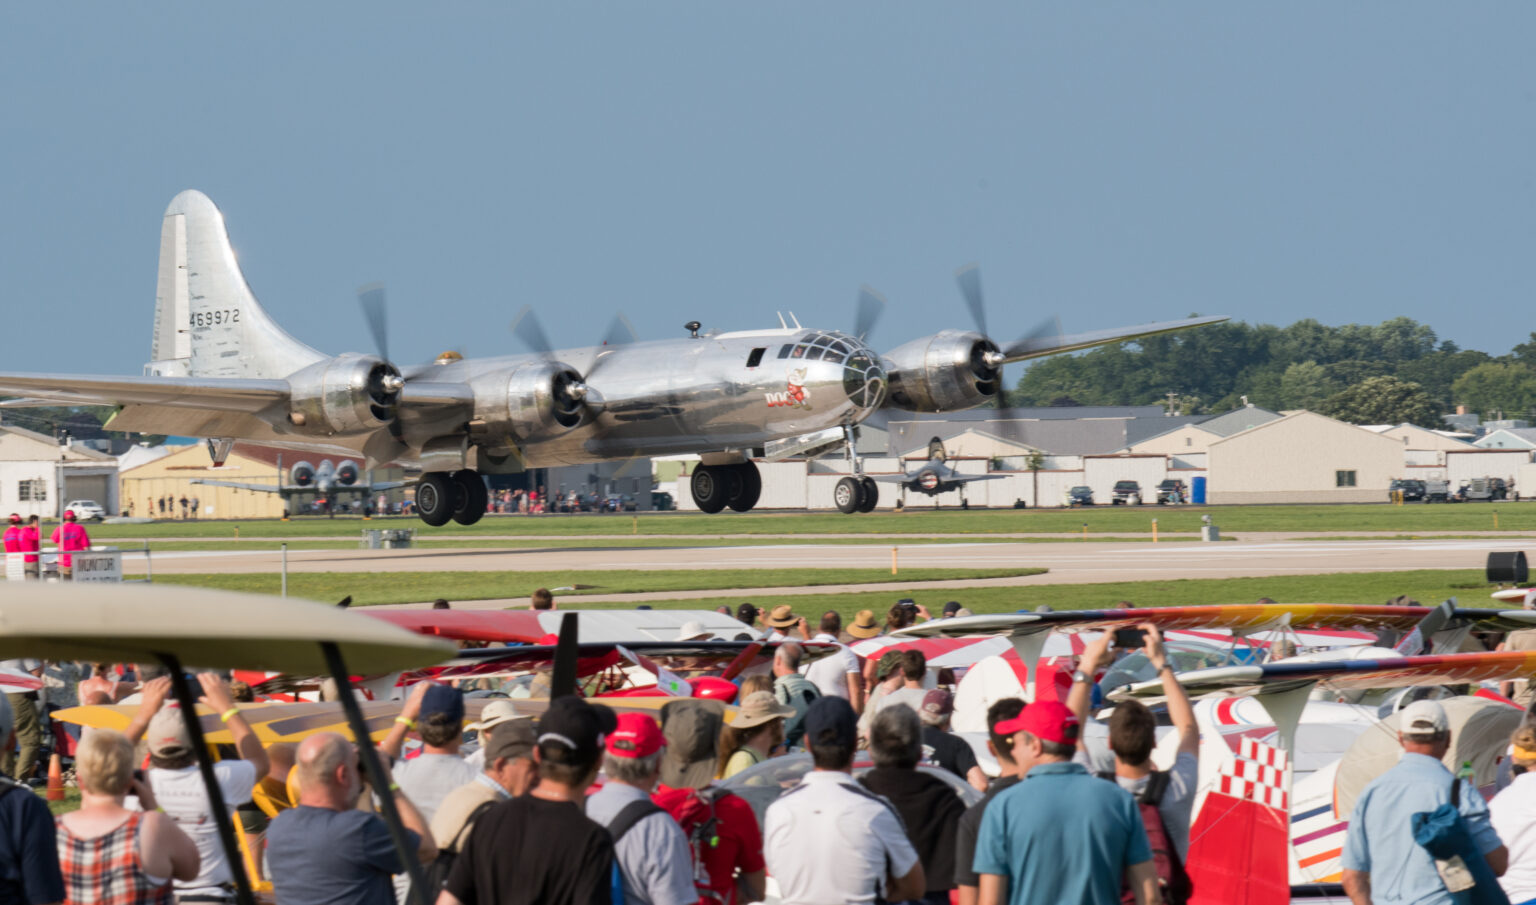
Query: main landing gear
point(857, 493)
point(715, 487)
point(459, 496)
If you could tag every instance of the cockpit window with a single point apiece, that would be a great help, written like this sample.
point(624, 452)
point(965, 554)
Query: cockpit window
point(799, 352)
point(755, 358)
point(784, 350)
point(814, 352)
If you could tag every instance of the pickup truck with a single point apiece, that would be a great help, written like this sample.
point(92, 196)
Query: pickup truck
point(1126, 493)
point(1172, 491)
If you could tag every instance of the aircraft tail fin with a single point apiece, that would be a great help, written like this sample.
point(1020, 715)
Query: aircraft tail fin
point(207, 321)
point(1420, 640)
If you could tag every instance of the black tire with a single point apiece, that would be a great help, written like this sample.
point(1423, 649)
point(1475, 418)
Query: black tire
point(709, 488)
point(435, 496)
point(869, 494)
point(847, 495)
point(473, 497)
point(750, 488)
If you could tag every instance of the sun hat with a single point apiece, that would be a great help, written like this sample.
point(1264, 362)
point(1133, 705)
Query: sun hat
point(782, 616)
point(693, 630)
point(864, 625)
point(759, 708)
point(692, 729)
point(498, 711)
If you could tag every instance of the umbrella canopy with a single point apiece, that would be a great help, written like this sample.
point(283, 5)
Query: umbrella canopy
point(225, 629)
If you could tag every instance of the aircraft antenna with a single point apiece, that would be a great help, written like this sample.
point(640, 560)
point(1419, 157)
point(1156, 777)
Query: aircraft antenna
point(796, 320)
point(781, 320)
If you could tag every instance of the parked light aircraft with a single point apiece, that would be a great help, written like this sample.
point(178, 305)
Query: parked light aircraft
point(932, 478)
point(224, 370)
point(326, 481)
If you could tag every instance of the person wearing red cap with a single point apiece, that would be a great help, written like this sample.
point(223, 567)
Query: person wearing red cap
point(648, 845)
point(69, 537)
point(1062, 835)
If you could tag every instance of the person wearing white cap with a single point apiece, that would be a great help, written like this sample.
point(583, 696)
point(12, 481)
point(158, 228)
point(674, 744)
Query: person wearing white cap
point(1382, 861)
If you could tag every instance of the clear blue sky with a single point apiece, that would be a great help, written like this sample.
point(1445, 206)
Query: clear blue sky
point(1110, 162)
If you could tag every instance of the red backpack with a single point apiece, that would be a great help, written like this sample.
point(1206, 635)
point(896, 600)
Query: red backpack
point(1171, 875)
point(697, 818)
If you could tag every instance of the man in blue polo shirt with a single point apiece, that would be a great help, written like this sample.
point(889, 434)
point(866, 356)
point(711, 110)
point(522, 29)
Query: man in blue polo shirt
point(1382, 863)
point(1061, 835)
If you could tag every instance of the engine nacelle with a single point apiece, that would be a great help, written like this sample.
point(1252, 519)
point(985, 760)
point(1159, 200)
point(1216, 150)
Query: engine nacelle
point(302, 474)
point(347, 473)
point(946, 372)
point(349, 394)
point(535, 399)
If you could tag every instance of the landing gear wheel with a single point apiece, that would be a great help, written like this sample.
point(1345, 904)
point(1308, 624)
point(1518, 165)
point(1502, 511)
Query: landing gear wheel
point(848, 494)
point(710, 488)
point(472, 497)
point(435, 496)
point(750, 489)
point(869, 494)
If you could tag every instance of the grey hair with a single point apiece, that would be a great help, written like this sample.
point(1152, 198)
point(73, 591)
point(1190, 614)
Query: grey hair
point(790, 653)
point(1426, 738)
point(896, 737)
point(632, 771)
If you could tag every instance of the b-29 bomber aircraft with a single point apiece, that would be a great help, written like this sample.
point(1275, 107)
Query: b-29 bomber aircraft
point(224, 370)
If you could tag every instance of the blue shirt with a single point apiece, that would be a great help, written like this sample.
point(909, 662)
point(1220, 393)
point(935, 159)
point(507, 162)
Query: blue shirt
point(1062, 836)
point(1380, 840)
point(323, 857)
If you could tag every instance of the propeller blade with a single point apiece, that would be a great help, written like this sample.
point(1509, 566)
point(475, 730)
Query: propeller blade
point(526, 327)
point(969, 278)
point(1046, 335)
point(620, 331)
point(563, 682)
point(371, 297)
point(870, 306)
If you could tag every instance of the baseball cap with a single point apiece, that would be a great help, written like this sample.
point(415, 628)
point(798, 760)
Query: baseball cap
point(517, 739)
point(938, 702)
point(830, 722)
point(167, 733)
point(15, 519)
point(635, 735)
point(497, 712)
point(864, 625)
point(952, 608)
point(889, 662)
point(441, 699)
point(572, 730)
point(1423, 718)
point(782, 616)
point(1049, 721)
point(692, 730)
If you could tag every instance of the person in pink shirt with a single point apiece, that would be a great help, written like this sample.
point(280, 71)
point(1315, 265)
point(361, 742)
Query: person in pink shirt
point(31, 543)
point(70, 537)
point(13, 534)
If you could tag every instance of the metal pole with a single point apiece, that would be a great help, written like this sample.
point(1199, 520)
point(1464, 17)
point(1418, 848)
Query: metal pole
point(221, 814)
point(149, 568)
point(375, 769)
point(285, 570)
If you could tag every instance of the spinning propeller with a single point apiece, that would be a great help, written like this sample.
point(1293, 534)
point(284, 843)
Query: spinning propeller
point(573, 392)
point(384, 381)
point(987, 358)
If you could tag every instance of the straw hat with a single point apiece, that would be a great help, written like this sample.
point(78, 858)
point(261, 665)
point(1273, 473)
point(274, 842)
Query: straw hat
point(759, 708)
point(864, 625)
point(782, 616)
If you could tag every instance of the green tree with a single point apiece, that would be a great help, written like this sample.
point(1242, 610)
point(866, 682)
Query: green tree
point(1497, 387)
point(1383, 400)
point(1304, 385)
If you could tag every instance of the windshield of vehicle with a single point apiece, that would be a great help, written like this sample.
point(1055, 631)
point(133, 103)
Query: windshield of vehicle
point(1184, 655)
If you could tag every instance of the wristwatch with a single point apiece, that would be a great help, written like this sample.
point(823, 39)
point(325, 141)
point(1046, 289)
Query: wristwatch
point(1167, 666)
point(1080, 676)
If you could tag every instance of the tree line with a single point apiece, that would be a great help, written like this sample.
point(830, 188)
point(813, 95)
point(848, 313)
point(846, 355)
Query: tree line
point(1388, 373)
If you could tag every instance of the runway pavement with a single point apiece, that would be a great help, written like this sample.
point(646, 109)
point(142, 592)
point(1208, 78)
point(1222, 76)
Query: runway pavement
point(1068, 561)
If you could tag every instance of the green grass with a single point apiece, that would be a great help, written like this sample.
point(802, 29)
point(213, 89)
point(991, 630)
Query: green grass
point(71, 801)
point(616, 543)
point(1409, 519)
point(1428, 586)
point(410, 587)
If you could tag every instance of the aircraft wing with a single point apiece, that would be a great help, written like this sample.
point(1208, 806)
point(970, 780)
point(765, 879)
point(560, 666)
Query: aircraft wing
point(890, 478)
point(383, 485)
point(247, 396)
point(1035, 347)
point(1343, 675)
point(1241, 618)
point(260, 488)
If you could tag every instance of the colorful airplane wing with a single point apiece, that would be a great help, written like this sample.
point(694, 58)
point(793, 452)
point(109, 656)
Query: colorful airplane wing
point(1381, 672)
point(520, 626)
point(1239, 618)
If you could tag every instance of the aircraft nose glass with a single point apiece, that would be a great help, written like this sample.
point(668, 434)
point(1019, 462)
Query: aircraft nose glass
point(864, 380)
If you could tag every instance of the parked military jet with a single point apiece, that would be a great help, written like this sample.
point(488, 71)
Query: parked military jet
point(326, 482)
point(223, 369)
point(933, 477)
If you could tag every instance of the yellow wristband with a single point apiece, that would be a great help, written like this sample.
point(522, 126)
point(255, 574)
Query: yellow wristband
point(224, 717)
point(409, 724)
point(394, 787)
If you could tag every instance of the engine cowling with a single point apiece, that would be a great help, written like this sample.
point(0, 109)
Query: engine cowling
point(533, 400)
point(946, 372)
point(348, 394)
point(347, 473)
point(302, 474)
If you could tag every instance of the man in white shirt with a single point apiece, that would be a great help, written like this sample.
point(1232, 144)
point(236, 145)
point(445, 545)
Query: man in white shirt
point(838, 675)
point(436, 713)
point(829, 840)
point(178, 784)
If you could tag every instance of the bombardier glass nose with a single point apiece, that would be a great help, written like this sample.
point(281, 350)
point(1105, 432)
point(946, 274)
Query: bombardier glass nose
point(864, 379)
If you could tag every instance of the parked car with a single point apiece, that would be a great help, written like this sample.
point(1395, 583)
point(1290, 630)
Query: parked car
point(87, 510)
point(1172, 491)
point(661, 501)
point(1081, 495)
point(1411, 490)
point(1126, 493)
point(1483, 490)
point(620, 502)
point(1437, 491)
